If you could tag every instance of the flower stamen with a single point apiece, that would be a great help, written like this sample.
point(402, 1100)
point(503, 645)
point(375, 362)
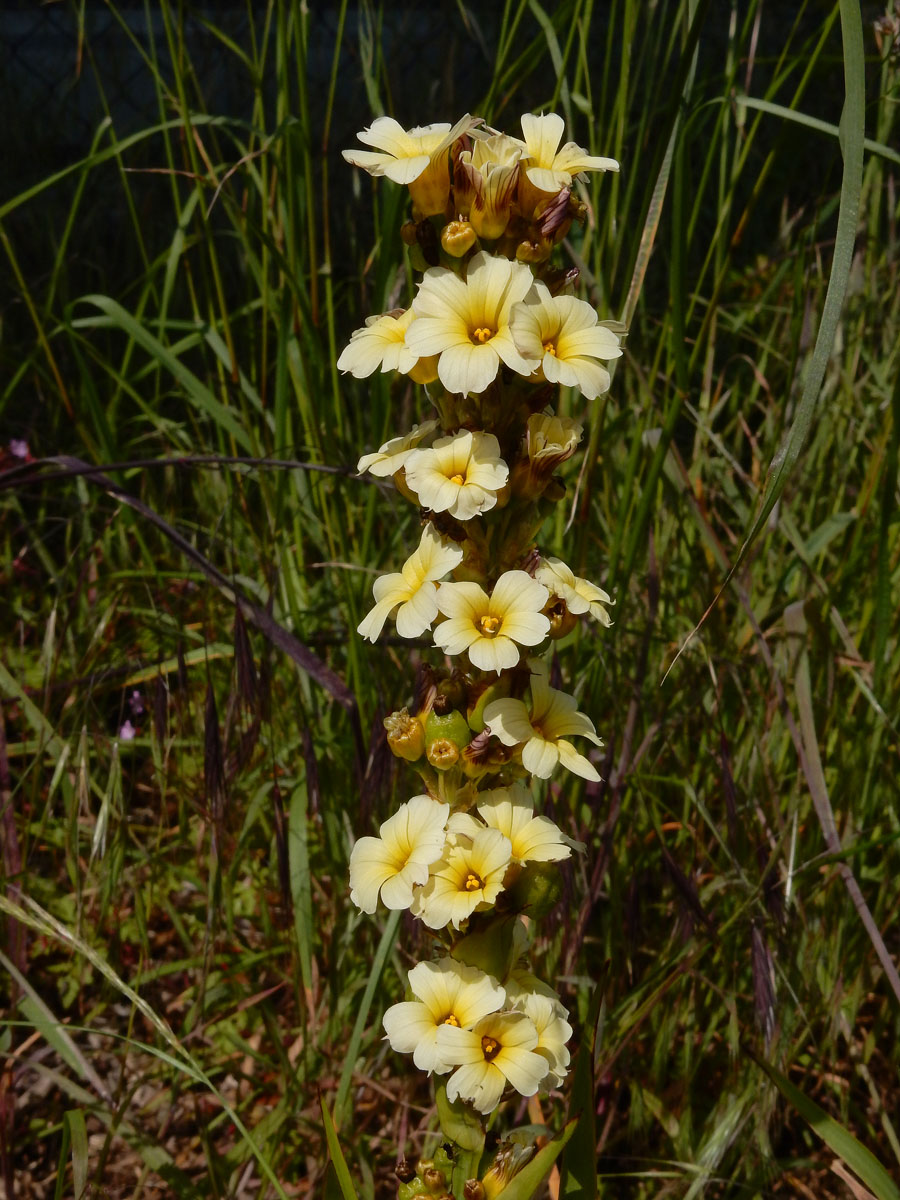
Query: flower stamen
point(490, 625)
point(550, 348)
point(473, 883)
point(483, 334)
point(451, 1020)
point(490, 1048)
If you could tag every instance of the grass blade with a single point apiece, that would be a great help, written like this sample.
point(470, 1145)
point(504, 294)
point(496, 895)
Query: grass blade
point(860, 1160)
point(74, 1136)
point(381, 954)
point(344, 1178)
point(201, 396)
point(301, 894)
point(852, 130)
point(810, 122)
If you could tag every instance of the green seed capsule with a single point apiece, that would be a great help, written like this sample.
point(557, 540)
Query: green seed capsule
point(452, 727)
point(411, 1190)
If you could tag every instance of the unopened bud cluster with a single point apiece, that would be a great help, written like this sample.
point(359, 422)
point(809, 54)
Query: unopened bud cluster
point(430, 1178)
point(492, 332)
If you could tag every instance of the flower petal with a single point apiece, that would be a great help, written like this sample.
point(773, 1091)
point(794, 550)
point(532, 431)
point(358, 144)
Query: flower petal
point(508, 721)
point(540, 757)
point(575, 762)
point(493, 654)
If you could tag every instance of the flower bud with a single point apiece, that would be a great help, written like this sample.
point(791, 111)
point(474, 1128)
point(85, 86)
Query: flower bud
point(549, 441)
point(533, 251)
point(434, 1180)
point(511, 1158)
point(473, 1189)
point(488, 174)
point(554, 217)
point(561, 620)
point(485, 754)
point(458, 238)
point(405, 735)
point(452, 693)
point(442, 754)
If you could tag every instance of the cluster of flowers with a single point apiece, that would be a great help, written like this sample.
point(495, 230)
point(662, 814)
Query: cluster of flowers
point(492, 332)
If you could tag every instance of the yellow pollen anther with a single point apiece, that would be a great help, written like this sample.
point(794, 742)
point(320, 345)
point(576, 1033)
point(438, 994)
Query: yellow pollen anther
point(490, 626)
point(490, 1048)
point(473, 883)
point(458, 479)
point(549, 348)
point(451, 1020)
point(482, 334)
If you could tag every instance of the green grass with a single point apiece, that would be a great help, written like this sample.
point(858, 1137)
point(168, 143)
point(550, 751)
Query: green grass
point(187, 981)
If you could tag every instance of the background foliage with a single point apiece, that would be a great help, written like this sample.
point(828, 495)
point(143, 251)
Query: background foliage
point(187, 551)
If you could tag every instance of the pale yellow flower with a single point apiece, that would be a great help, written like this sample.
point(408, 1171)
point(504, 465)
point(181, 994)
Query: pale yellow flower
point(466, 322)
point(499, 1050)
point(381, 344)
point(543, 732)
point(390, 457)
point(533, 838)
point(547, 166)
point(417, 157)
point(413, 588)
point(397, 861)
point(511, 811)
point(553, 1030)
point(460, 474)
point(447, 993)
point(491, 628)
point(467, 878)
point(580, 596)
point(485, 183)
point(550, 439)
point(565, 334)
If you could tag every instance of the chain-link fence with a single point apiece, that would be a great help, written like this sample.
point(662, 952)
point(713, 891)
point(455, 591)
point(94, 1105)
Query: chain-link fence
point(65, 67)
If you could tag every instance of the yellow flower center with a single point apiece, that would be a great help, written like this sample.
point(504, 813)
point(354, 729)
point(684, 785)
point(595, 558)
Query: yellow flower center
point(490, 626)
point(473, 883)
point(490, 1048)
point(451, 1020)
point(482, 334)
point(549, 348)
point(458, 479)
point(400, 859)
